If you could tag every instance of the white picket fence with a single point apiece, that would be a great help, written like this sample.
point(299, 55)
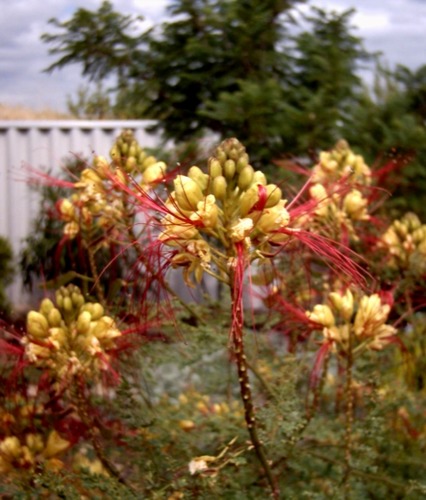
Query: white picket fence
point(44, 145)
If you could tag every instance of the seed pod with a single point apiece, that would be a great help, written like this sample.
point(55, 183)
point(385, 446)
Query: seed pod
point(219, 187)
point(215, 167)
point(245, 179)
point(229, 169)
point(274, 195)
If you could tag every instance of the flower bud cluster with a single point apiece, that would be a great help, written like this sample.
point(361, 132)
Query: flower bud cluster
point(405, 240)
point(336, 207)
point(128, 155)
point(230, 203)
point(341, 162)
point(349, 321)
point(96, 202)
point(71, 336)
point(31, 450)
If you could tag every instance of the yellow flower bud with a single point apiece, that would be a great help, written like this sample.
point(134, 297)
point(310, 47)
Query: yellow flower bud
point(71, 229)
point(215, 168)
point(83, 322)
point(229, 169)
point(186, 425)
point(273, 219)
point(105, 328)
point(188, 192)
point(219, 187)
point(273, 194)
point(322, 315)
point(344, 304)
point(66, 210)
point(46, 306)
point(259, 178)
point(101, 166)
point(37, 325)
point(10, 447)
point(77, 299)
point(148, 161)
point(131, 164)
point(67, 304)
point(58, 336)
point(55, 445)
point(242, 162)
point(248, 199)
point(154, 173)
point(355, 205)
point(34, 442)
point(245, 179)
point(196, 174)
point(54, 317)
point(88, 177)
point(207, 211)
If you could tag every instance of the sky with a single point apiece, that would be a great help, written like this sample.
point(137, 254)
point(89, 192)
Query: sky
point(396, 28)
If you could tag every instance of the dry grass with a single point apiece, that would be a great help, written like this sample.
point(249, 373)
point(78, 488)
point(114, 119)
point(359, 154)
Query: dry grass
point(22, 113)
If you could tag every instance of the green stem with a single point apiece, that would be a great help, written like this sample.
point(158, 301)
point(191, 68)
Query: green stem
point(92, 262)
point(246, 395)
point(349, 397)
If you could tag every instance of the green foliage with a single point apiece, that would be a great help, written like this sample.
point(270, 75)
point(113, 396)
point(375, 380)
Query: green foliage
point(90, 105)
point(388, 122)
point(41, 256)
point(233, 68)
point(99, 40)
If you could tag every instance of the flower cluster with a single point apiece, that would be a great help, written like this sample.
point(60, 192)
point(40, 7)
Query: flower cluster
point(352, 324)
point(31, 450)
point(95, 201)
point(70, 337)
point(339, 163)
point(209, 214)
point(335, 182)
point(405, 240)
